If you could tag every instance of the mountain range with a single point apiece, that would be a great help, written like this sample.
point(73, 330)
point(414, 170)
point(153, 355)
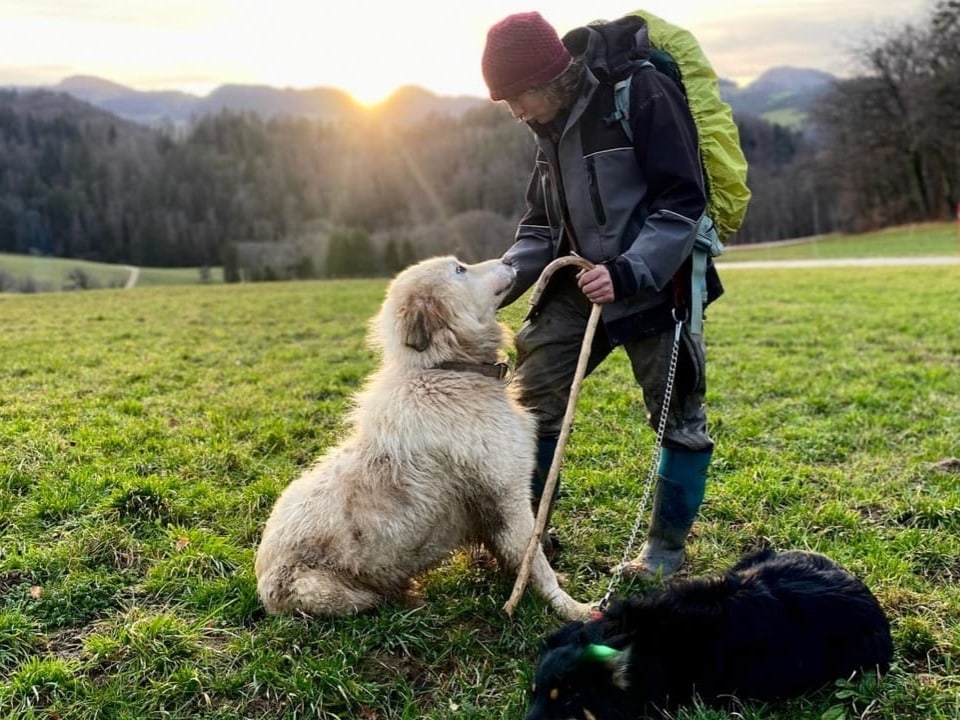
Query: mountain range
point(781, 94)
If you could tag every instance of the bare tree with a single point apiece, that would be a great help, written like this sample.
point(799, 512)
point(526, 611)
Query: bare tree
point(891, 134)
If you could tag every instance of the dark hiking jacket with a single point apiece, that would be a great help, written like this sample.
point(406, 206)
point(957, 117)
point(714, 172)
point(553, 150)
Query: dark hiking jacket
point(631, 206)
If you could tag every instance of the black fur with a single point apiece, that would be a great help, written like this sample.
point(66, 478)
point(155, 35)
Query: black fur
point(774, 626)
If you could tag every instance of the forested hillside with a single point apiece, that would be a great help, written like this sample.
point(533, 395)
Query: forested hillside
point(237, 189)
point(291, 197)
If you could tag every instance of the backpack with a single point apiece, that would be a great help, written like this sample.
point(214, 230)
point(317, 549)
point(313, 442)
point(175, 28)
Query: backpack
point(676, 53)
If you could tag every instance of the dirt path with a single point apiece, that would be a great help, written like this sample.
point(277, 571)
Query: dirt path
point(133, 277)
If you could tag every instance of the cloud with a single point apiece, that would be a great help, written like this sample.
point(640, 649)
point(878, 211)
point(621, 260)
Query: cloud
point(815, 34)
point(370, 48)
point(174, 14)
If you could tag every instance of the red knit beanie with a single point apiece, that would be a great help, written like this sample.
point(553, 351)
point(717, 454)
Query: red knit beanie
point(523, 51)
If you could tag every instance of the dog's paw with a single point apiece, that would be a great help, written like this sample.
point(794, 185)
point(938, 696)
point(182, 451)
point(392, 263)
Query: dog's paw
point(413, 596)
point(580, 611)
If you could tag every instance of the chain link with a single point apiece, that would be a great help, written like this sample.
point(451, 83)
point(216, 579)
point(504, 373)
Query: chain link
point(652, 473)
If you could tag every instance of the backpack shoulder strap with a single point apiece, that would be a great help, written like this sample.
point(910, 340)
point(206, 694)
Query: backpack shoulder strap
point(621, 101)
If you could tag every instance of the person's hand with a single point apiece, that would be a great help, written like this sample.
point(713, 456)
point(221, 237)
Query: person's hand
point(596, 284)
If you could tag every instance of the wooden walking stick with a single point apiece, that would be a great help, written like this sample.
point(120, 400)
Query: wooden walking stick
point(543, 510)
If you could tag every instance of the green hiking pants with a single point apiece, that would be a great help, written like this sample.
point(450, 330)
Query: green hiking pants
point(548, 347)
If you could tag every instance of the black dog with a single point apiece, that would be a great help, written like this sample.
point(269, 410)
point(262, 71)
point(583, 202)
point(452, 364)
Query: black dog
point(774, 626)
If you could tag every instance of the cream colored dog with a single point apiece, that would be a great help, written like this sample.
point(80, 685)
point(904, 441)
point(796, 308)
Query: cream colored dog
point(439, 456)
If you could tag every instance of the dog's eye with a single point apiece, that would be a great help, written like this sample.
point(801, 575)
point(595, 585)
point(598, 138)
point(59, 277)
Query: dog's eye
point(461, 269)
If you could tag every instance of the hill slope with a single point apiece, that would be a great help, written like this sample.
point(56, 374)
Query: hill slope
point(781, 94)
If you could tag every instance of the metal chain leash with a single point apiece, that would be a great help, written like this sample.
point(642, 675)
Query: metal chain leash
point(654, 465)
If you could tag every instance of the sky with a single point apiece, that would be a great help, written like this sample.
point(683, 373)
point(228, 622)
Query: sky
point(371, 48)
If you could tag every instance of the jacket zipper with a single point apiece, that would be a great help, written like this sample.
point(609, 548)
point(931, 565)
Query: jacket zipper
point(595, 198)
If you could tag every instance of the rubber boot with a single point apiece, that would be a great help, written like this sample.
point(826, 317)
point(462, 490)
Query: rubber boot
point(546, 449)
point(680, 489)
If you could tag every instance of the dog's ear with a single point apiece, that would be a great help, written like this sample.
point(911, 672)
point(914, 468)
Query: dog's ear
point(420, 320)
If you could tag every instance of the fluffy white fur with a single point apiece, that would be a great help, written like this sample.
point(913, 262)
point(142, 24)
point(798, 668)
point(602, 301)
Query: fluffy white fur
point(435, 459)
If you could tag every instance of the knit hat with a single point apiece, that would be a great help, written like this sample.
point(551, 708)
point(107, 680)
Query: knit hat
point(523, 51)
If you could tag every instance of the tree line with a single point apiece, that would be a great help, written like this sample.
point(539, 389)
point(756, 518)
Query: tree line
point(290, 197)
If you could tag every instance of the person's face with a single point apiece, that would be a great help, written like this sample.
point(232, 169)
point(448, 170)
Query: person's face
point(533, 106)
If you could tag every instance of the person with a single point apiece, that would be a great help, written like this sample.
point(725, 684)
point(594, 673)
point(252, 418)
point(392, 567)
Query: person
point(630, 207)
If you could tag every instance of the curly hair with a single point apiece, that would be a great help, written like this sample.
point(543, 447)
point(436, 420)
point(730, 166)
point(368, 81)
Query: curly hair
point(564, 88)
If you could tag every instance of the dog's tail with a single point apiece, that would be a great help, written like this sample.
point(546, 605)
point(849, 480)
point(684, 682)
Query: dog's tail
point(313, 590)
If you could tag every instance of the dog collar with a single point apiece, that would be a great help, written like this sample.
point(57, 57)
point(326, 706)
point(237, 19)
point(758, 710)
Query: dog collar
point(498, 370)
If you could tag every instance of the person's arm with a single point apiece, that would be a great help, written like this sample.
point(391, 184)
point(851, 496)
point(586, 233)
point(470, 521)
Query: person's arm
point(667, 150)
point(532, 249)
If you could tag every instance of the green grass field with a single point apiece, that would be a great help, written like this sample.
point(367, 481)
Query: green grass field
point(144, 435)
point(28, 273)
point(912, 240)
